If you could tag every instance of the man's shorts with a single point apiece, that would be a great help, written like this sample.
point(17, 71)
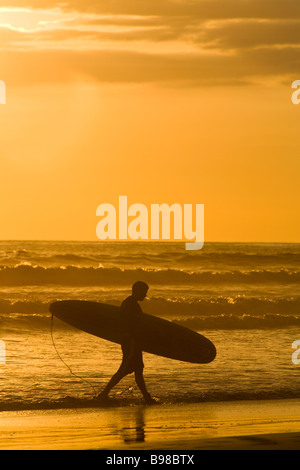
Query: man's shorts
point(135, 363)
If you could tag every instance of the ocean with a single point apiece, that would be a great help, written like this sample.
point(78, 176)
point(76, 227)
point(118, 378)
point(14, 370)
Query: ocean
point(243, 297)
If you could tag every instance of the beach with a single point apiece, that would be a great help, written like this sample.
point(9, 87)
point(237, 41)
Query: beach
point(242, 297)
point(149, 238)
point(248, 425)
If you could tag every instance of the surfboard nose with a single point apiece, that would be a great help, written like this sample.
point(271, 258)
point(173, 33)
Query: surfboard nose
point(210, 354)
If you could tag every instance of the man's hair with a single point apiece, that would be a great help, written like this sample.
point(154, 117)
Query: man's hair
point(139, 286)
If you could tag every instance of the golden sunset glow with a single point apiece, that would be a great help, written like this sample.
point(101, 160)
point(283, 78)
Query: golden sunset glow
point(162, 101)
point(149, 227)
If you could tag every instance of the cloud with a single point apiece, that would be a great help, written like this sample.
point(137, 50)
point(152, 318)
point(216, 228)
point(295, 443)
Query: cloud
point(157, 41)
point(128, 67)
point(198, 9)
point(239, 34)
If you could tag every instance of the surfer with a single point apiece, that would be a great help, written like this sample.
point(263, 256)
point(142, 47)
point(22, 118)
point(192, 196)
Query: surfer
point(132, 354)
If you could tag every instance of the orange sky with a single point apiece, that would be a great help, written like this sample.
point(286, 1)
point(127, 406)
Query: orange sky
point(157, 100)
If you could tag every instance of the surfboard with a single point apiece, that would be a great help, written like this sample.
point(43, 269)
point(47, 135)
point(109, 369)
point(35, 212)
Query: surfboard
point(156, 335)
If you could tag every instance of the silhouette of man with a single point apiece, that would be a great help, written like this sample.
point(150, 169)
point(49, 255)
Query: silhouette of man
point(131, 315)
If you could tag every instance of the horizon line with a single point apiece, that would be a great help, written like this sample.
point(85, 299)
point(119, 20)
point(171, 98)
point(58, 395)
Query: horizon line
point(140, 241)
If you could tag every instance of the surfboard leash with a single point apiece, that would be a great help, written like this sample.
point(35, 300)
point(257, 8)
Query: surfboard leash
point(73, 373)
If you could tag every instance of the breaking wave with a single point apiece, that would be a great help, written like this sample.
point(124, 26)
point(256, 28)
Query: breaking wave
point(26, 274)
point(21, 322)
point(240, 322)
point(68, 402)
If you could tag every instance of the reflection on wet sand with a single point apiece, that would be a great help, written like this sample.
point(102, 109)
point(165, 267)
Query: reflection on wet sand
point(133, 426)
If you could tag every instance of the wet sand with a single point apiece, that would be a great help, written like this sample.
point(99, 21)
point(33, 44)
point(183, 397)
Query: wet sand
point(269, 425)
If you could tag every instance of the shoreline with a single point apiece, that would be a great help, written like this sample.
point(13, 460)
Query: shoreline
point(248, 425)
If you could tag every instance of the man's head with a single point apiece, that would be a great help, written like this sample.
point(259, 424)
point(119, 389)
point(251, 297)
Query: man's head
point(139, 290)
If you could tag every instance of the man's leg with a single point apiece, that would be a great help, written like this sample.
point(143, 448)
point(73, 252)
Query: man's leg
point(139, 378)
point(113, 381)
